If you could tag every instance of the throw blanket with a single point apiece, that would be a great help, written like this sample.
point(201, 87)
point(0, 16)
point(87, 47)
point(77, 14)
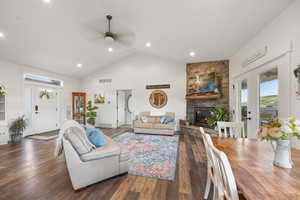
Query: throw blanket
point(59, 147)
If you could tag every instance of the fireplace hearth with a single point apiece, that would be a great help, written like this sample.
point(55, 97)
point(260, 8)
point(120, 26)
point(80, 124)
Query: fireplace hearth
point(201, 114)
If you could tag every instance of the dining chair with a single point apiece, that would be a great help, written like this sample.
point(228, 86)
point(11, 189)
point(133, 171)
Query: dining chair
point(211, 177)
point(224, 181)
point(231, 129)
point(225, 175)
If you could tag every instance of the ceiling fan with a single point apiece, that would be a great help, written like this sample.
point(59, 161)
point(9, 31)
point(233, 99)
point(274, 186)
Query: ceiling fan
point(109, 36)
point(123, 36)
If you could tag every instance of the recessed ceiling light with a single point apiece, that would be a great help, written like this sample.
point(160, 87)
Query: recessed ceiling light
point(79, 65)
point(148, 44)
point(110, 49)
point(2, 35)
point(47, 1)
point(192, 54)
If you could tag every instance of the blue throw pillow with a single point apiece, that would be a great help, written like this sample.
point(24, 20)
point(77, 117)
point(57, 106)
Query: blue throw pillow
point(95, 136)
point(168, 120)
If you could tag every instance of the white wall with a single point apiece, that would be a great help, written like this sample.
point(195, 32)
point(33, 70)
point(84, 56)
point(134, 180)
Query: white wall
point(11, 76)
point(278, 36)
point(135, 72)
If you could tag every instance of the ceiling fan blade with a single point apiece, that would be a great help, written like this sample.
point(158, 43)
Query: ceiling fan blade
point(92, 36)
point(126, 35)
point(94, 29)
point(126, 39)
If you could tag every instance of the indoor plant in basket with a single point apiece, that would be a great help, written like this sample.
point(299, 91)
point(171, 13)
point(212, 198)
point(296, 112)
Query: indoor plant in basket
point(281, 131)
point(17, 128)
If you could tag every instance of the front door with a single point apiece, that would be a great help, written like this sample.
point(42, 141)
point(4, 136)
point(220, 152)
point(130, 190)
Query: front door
point(263, 95)
point(42, 108)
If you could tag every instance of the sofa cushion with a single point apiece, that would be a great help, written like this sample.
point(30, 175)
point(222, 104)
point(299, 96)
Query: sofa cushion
point(154, 119)
point(111, 148)
point(170, 114)
point(169, 126)
point(78, 140)
point(139, 124)
point(143, 114)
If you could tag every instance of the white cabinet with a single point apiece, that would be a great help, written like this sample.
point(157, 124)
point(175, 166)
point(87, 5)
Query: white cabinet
point(3, 133)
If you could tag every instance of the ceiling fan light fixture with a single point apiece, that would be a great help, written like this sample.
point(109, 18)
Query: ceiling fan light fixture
point(109, 37)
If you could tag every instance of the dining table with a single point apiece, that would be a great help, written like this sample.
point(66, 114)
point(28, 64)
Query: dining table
point(256, 177)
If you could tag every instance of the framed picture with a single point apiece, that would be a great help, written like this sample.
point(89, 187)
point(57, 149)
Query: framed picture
point(99, 99)
point(203, 84)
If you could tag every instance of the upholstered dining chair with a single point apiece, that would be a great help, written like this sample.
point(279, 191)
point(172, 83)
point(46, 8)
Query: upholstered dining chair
point(223, 178)
point(231, 129)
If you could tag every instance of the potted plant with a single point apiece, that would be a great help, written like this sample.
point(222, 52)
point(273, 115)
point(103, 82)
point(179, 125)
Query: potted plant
point(188, 121)
point(17, 128)
point(217, 114)
point(2, 91)
point(280, 131)
point(91, 114)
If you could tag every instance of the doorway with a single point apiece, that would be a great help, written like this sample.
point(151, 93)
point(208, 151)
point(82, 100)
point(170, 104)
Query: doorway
point(263, 94)
point(124, 108)
point(42, 109)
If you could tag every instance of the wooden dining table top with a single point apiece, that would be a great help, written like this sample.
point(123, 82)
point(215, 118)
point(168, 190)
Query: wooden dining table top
point(256, 176)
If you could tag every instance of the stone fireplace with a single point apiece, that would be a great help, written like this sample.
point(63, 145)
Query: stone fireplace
point(200, 116)
point(199, 109)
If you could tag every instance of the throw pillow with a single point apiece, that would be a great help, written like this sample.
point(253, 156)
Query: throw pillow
point(77, 139)
point(144, 119)
point(95, 136)
point(162, 120)
point(168, 120)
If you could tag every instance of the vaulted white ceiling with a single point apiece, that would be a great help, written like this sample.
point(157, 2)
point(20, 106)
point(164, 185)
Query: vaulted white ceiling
point(58, 35)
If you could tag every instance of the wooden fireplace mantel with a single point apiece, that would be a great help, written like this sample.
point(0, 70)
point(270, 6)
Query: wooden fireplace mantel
point(206, 96)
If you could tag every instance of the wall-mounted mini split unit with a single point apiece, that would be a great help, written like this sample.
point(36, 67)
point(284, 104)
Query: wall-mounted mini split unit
point(258, 55)
point(105, 80)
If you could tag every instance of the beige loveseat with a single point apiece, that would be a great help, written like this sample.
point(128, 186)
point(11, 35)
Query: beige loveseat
point(99, 164)
point(153, 125)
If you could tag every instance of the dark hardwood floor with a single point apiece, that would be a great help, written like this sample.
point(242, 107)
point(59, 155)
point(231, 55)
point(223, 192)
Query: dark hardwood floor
point(29, 170)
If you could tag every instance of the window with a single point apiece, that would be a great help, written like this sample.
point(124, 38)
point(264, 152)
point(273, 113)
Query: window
point(42, 79)
point(268, 96)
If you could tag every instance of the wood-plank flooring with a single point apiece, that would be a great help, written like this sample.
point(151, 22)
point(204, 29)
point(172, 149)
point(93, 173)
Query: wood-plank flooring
point(29, 170)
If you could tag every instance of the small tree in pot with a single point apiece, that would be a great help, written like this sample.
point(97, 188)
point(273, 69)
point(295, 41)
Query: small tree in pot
point(91, 114)
point(17, 128)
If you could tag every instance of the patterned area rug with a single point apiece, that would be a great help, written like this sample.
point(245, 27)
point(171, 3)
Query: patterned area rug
point(152, 156)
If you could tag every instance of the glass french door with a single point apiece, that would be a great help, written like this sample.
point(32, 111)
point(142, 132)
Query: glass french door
point(263, 95)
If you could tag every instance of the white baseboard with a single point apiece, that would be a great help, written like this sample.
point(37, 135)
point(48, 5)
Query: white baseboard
point(104, 125)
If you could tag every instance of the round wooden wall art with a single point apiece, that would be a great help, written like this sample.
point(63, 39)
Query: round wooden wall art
point(158, 99)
